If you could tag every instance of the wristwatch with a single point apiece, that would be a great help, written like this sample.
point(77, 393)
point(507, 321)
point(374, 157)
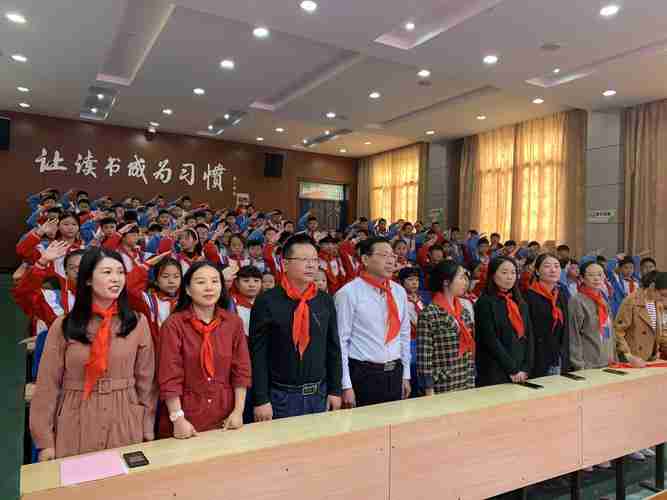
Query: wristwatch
point(175, 415)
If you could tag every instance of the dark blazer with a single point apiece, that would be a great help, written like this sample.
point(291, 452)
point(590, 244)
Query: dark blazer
point(500, 353)
point(550, 346)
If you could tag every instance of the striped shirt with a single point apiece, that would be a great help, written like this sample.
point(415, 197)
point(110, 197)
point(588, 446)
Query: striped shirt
point(650, 308)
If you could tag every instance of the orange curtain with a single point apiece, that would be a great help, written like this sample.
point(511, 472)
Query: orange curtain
point(644, 163)
point(526, 181)
point(394, 183)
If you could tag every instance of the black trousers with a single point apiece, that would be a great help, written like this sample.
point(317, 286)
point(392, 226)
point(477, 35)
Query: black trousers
point(373, 385)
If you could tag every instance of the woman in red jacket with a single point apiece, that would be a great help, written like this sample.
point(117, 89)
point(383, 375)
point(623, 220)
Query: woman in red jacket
point(204, 365)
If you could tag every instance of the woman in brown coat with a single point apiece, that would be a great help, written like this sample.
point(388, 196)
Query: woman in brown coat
point(95, 387)
point(640, 331)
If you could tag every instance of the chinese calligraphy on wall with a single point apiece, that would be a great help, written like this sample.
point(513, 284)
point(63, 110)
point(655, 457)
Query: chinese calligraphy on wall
point(87, 165)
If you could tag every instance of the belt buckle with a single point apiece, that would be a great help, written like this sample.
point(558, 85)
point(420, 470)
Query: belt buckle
point(388, 367)
point(309, 389)
point(104, 385)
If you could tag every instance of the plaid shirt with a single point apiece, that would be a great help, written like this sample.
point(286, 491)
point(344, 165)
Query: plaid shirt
point(438, 363)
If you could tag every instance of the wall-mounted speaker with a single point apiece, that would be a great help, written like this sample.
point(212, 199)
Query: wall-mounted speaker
point(273, 165)
point(5, 129)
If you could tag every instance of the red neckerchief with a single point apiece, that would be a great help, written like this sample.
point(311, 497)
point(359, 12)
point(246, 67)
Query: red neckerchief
point(632, 286)
point(393, 318)
point(466, 339)
point(239, 298)
point(514, 314)
point(600, 302)
point(552, 296)
point(64, 294)
point(161, 296)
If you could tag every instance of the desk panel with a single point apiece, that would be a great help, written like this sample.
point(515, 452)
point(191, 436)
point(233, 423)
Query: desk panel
point(479, 454)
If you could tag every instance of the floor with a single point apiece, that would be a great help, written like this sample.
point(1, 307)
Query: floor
point(12, 415)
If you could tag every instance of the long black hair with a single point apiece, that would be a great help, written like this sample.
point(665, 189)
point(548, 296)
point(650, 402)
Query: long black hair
point(75, 324)
point(441, 272)
point(185, 301)
point(491, 287)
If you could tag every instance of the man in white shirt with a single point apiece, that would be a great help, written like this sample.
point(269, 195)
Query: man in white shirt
point(374, 330)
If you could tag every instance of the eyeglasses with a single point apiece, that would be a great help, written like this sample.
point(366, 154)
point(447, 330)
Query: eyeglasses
point(386, 256)
point(304, 260)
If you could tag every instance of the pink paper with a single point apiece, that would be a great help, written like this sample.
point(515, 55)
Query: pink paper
point(91, 467)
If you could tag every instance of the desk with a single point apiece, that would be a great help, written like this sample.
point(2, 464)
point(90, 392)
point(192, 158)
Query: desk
point(468, 445)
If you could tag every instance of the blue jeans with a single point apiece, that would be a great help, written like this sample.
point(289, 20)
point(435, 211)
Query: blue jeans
point(294, 404)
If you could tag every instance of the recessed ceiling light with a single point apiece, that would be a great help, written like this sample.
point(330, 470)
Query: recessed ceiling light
point(343, 150)
point(15, 17)
point(327, 132)
point(490, 59)
point(409, 26)
point(167, 111)
point(280, 130)
point(199, 91)
point(226, 117)
point(538, 100)
point(374, 95)
point(210, 127)
point(331, 115)
point(260, 139)
point(305, 141)
point(154, 124)
point(227, 64)
point(424, 73)
point(100, 97)
point(481, 117)
point(93, 110)
point(557, 70)
point(609, 10)
point(368, 143)
point(19, 58)
point(309, 6)
point(152, 130)
point(260, 32)
point(24, 105)
point(609, 93)
point(23, 89)
point(430, 132)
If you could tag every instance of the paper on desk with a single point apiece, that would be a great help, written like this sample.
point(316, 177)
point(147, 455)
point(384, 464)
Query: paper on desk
point(91, 467)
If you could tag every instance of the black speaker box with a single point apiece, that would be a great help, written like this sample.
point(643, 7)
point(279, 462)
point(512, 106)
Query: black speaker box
point(273, 165)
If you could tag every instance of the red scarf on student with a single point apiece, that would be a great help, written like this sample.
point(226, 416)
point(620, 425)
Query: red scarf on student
point(514, 313)
point(301, 321)
point(239, 298)
point(632, 286)
point(394, 321)
point(600, 302)
point(160, 295)
point(206, 352)
point(466, 339)
point(64, 294)
point(332, 279)
point(98, 359)
point(552, 297)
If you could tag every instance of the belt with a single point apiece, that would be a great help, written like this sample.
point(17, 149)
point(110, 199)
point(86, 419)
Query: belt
point(102, 386)
point(389, 366)
point(305, 389)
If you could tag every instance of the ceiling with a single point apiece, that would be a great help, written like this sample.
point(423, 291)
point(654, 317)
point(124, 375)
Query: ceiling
point(150, 55)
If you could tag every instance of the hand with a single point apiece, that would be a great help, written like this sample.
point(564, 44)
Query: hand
point(263, 413)
point(54, 251)
point(46, 454)
point(407, 388)
point(234, 421)
point(229, 272)
point(349, 399)
point(333, 402)
point(49, 227)
point(636, 361)
point(183, 429)
point(519, 377)
point(430, 392)
point(157, 258)
point(127, 228)
point(620, 257)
